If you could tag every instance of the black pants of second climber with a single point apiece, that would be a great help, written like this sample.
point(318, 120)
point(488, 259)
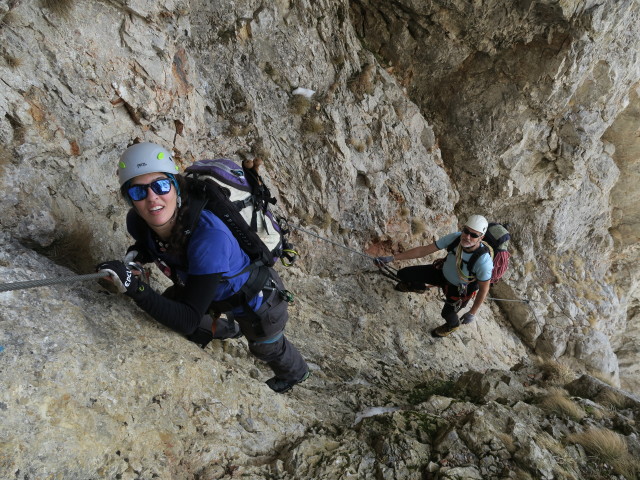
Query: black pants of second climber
point(270, 345)
point(418, 277)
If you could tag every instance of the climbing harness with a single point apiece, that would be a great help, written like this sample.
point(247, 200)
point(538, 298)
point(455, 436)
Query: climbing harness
point(388, 271)
point(288, 254)
point(284, 294)
point(459, 301)
point(7, 287)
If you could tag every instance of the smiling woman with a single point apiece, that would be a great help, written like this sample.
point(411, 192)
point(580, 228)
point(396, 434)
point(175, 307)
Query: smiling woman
point(155, 201)
point(211, 273)
point(147, 173)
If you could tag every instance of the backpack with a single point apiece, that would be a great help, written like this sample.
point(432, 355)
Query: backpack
point(498, 236)
point(496, 243)
point(239, 197)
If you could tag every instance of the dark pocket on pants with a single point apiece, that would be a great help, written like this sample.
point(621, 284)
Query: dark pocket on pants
point(272, 317)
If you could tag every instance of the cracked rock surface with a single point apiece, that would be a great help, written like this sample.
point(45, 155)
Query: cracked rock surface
point(422, 113)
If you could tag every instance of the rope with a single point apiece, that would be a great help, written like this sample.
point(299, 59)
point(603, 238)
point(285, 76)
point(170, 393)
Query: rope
point(7, 287)
point(525, 301)
point(510, 300)
point(464, 278)
point(388, 271)
point(331, 242)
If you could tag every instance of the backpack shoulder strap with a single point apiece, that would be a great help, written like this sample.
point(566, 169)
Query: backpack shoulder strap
point(481, 250)
point(197, 202)
point(453, 245)
point(259, 190)
point(209, 196)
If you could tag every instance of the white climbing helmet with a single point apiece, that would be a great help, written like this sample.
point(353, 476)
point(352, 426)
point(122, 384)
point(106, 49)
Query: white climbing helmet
point(478, 223)
point(144, 158)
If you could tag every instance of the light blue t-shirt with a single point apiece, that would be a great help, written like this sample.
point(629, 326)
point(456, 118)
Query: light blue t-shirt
point(483, 266)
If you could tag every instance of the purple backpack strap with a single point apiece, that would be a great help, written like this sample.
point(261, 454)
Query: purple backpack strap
point(222, 169)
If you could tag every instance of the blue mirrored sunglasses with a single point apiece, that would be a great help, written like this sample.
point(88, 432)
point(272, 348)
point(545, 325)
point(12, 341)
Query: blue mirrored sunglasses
point(162, 186)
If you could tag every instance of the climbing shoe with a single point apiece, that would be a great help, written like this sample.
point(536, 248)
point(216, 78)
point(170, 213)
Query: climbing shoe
point(409, 288)
point(281, 386)
point(443, 331)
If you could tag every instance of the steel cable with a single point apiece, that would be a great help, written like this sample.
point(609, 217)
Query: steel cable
point(7, 287)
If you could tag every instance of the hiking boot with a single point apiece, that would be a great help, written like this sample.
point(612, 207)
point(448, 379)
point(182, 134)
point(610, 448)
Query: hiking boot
point(409, 288)
point(281, 386)
point(443, 331)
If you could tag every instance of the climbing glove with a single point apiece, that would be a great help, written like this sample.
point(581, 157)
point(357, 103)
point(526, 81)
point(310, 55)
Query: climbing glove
point(467, 318)
point(380, 261)
point(122, 276)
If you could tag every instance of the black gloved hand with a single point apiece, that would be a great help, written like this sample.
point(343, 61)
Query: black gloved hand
point(121, 275)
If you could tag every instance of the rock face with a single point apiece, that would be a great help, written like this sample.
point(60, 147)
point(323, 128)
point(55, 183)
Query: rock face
point(526, 104)
point(423, 112)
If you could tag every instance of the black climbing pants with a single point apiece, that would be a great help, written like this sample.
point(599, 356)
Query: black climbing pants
point(418, 277)
point(264, 330)
point(270, 345)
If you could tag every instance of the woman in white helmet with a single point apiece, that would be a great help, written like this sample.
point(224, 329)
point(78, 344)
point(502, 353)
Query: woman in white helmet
point(465, 271)
point(209, 269)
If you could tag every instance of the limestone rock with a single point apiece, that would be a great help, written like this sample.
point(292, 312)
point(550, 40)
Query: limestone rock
point(423, 112)
point(526, 104)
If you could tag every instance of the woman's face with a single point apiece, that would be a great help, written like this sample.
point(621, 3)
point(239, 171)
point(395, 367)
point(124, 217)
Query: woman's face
point(157, 210)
